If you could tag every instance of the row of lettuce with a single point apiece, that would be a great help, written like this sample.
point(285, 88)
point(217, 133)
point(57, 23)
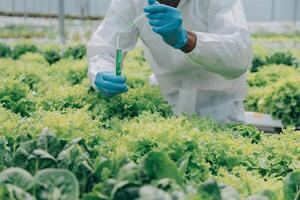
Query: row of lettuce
point(181, 165)
point(275, 89)
point(79, 51)
point(20, 31)
point(50, 55)
point(274, 81)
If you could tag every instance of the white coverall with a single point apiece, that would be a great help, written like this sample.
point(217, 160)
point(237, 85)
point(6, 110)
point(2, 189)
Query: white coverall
point(209, 81)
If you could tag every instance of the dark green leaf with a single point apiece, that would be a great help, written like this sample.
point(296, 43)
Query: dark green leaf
point(76, 159)
point(18, 177)
point(130, 172)
point(210, 190)
point(291, 186)
point(11, 192)
point(57, 184)
point(125, 191)
point(52, 56)
point(40, 159)
point(50, 143)
point(157, 166)
point(23, 152)
point(104, 169)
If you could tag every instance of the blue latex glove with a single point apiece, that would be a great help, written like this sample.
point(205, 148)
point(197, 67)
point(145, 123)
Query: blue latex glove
point(167, 22)
point(110, 84)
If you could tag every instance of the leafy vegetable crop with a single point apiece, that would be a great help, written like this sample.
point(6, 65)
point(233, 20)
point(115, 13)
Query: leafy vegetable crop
point(50, 167)
point(14, 96)
point(131, 104)
point(257, 63)
point(21, 49)
point(52, 56)
point(130, 146)
point(282, 58)
point(5, 50)
point(275, 90)
point(284, 102)
point(76, 52)
point(278, 58)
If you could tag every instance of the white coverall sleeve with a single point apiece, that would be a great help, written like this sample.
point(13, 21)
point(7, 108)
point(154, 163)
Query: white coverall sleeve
point(225, 48)
point(101, 50)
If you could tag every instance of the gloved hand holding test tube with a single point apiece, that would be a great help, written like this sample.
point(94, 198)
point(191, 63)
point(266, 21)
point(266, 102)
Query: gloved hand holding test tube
point(119, 53)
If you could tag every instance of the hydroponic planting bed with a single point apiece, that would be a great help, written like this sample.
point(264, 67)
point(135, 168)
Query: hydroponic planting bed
point(130, 146)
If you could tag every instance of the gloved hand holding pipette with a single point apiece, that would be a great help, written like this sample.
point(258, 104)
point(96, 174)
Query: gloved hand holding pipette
point(167, 22)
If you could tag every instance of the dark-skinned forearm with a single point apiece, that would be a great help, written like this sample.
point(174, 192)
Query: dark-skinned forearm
point(191, 43)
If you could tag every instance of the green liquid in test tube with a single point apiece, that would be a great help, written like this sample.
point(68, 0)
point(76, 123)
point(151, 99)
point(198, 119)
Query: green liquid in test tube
point(119, 60)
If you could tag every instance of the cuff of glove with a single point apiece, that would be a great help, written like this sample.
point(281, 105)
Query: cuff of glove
point(183, 40)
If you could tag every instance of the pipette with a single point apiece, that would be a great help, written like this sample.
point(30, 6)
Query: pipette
point(119, 53)
point(131, 25)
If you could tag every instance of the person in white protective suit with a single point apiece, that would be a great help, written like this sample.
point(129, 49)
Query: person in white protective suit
point(199, 51)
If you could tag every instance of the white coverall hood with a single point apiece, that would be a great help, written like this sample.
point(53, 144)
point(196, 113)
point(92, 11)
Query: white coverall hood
point(209, 81)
